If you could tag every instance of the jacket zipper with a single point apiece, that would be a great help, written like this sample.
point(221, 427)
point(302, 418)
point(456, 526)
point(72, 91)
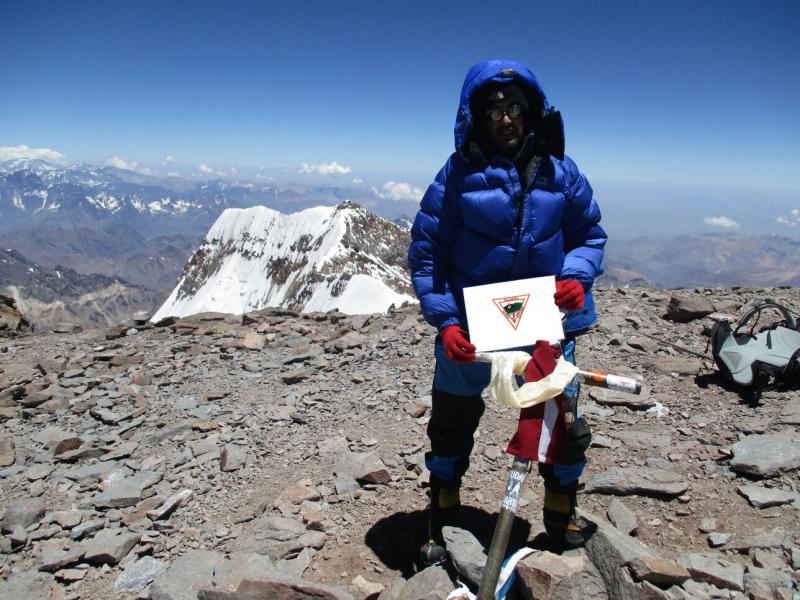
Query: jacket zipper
point(519, 203)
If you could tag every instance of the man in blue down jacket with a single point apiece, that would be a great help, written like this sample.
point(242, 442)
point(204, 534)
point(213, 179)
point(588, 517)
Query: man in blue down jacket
point(506, 205)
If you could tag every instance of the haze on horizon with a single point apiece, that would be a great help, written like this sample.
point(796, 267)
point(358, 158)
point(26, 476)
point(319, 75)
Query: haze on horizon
point(683, 115)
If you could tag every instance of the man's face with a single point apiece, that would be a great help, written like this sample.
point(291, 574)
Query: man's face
point(506, 133)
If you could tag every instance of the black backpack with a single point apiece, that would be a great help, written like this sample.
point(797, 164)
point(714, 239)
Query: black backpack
point(756, 360)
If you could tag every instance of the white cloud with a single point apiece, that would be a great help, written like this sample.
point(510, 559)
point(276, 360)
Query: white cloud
point(357, 180)
point(332, 168)
point(173, 174)
point(792, 219)
point(204, 168)
point(14, 152)
point(398, 191)
point(168, 160)
point(148, 171)
point(723, 222)
point(121, 163)
point(229, 172)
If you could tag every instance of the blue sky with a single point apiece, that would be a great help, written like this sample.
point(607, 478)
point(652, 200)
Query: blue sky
point(676, 92)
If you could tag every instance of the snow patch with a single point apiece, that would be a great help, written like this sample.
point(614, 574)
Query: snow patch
point(363, 295)
point(105, 201)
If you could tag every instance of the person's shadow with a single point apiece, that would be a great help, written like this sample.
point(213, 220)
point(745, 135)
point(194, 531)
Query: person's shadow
point(396, 540)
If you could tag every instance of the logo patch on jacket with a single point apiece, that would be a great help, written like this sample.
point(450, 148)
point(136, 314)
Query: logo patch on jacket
point(512, 308)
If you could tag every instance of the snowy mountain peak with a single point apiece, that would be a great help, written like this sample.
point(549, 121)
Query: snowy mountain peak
point(322, 258)
point(34, 165)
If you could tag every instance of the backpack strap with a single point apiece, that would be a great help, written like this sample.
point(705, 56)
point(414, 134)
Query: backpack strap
point(791, 372)
point(791, 323)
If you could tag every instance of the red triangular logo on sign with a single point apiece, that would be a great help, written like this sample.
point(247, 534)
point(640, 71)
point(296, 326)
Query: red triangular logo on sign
point(512, 307)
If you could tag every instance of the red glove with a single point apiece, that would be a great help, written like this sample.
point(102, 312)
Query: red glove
point(569, 294)
point(457, 346)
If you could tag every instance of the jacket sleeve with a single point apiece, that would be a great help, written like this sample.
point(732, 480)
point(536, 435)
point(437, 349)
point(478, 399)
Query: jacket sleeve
point(431, 236)
point(584, 238)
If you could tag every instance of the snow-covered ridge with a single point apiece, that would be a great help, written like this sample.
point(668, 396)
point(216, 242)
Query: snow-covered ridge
point(318, 259)
point(106, 191)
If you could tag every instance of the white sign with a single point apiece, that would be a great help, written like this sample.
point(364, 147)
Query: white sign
point(513, 314)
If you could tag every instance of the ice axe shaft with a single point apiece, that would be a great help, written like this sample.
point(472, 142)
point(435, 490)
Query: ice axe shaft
point(618, 383)
point(677, 346)
point(516, 479)
point(502, 531)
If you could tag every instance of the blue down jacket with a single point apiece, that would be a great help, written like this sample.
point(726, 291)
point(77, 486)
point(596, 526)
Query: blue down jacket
point(480, 223)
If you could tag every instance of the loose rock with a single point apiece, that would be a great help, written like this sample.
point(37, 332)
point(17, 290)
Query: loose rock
point(766, 455)
point(647, 481)
point(550, 576)
point(714, 570)
point(139, 575)
point(762, 497)
point(622, 517)
point(466, 553)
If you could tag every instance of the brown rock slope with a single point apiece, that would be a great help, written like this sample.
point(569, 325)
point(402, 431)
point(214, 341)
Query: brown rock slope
point(276, 452)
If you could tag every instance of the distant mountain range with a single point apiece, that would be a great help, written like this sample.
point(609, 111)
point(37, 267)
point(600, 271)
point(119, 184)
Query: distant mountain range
point(124, 224)
point(103, 227)
point(37, 193)
point(51, 296)
point(711, 260)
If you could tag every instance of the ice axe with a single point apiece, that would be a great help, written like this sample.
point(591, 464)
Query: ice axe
point(548, 387)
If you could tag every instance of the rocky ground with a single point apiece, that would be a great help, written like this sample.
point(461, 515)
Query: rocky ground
point(281, 452)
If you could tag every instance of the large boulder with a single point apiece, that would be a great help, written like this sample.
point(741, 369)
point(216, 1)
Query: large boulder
point(363, 467)
point(547, 576)
point(766, 455)
point(642, 480)
point(204, 570)
point(687, 308)
point(273, 586)
point(466, 553)
point(712, 569)
point(30, 585)
point(22, 513)
point(611, 551)
point(429, 584)
point(12, 322)
point(278, 537)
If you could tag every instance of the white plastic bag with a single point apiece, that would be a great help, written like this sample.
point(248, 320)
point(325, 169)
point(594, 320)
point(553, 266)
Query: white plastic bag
point(504, 581)
point(461, 593)
point(505, 365)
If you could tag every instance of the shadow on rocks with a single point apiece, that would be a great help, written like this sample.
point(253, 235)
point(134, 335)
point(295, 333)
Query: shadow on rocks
point(542, 542)
point(396, 539)
point(746, 394)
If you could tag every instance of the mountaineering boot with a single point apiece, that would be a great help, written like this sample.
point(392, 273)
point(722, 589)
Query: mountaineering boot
point(444, 510)
point(562, 526)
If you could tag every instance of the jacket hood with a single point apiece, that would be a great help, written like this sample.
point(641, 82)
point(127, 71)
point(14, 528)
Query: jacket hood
point(487, 73)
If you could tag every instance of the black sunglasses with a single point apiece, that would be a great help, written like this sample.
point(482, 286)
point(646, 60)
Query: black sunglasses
point(515, 111)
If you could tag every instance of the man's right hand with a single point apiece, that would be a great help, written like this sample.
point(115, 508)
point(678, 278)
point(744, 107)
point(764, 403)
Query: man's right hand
point(457, 346)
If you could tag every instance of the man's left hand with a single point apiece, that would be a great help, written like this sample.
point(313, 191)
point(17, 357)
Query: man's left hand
point(569, 294)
